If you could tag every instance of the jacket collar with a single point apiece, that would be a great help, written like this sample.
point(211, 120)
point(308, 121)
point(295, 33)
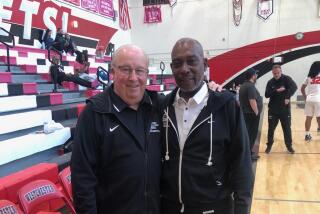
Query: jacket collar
point(104, 103)
point(197, 98)
point(216, 100)
point(109, 102)
point(119, 105)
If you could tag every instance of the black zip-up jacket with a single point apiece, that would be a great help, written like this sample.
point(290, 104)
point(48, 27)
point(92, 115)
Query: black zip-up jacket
point(276, 102)
point(208, 179)
point(112, 173)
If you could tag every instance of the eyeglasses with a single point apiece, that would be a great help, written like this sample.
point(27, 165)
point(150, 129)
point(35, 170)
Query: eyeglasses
point(126, 70)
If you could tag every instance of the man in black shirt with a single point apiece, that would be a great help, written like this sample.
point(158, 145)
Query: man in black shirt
point(116, 157)
point(251, 104)
point(279, 89)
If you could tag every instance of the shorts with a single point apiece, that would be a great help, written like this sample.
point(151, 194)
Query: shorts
point(312, 109)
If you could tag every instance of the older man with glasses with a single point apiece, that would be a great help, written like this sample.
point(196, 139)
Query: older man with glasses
point(116, 157)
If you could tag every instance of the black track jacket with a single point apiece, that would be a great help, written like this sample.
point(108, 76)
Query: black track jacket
point(111, 172)
point(230, 172)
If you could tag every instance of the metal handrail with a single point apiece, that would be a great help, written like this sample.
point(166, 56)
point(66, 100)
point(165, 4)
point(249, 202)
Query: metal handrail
point(162, 68)
point(8, 46)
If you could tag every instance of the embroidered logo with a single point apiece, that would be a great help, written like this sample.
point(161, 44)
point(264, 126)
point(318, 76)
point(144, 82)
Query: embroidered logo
point(208, 212)
point(8, 210)
point(39, 192)
point(154, 127)
point(112, 129)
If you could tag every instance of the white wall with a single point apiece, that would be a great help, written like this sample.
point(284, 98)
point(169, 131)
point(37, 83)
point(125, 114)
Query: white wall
point(211, 22)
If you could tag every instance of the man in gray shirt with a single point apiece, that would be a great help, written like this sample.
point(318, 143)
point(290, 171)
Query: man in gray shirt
point(251, 104)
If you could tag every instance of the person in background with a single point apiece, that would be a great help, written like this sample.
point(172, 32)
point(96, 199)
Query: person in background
point(206, 153)
point(60, 40)
point(251, 104)
point(70, 46)
point(58, 76)
point(116, 157)
point(47, 39)
point(81, 67)
point(280, 89)
point(82, 57)
point(312, 98)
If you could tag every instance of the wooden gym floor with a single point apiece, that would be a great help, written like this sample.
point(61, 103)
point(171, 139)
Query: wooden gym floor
point(285, 183)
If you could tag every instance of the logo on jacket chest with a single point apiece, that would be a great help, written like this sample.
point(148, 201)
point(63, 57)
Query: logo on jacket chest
point(154, 127)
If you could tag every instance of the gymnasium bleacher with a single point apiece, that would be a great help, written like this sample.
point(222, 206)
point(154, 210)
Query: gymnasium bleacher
point(27, 102)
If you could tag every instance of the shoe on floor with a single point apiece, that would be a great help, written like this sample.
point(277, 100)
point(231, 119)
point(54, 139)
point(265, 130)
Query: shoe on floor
point(291, 150)
point(268, 149)
point(308, 138)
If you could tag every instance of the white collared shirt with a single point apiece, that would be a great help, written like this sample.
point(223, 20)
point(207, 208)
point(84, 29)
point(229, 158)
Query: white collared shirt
point(187, 112)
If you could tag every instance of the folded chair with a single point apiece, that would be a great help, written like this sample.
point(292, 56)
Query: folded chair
point(35, 194)
point(8, 207)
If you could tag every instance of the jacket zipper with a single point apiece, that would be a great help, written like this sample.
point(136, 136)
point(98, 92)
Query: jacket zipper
point(146, 183)
point(180, 159)
point(179, 179)
point(180, 166)
point(147, 165)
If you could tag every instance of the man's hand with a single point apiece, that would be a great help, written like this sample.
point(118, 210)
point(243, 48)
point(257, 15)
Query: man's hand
point(286, 101)
point(281, 89)
point(214, 86)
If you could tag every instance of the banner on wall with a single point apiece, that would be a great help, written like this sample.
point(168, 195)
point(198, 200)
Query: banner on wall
point(265, 8)
point(152, 14)
point(91, 5)
point(172, 3)
point(124, 17)
point(237, 11)
point(106, 8)
point(75, 2)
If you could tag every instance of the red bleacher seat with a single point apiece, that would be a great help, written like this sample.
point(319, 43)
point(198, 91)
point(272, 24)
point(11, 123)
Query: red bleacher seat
point(56, 98)
point(70, 85)
point(13, 59)
point(35, 195)
point(92, 92)
point(29, 68)
point(9, 207)
point(9, 185)
point(29, 88)
point(65, 179)
point(5, 77)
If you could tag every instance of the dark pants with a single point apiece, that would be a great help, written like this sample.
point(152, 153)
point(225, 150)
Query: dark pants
point(58, 77)
point(58, 46)
point(77, 80)
point(252, 123)
point(223, 207)
point(69, 48)
point(285, 120)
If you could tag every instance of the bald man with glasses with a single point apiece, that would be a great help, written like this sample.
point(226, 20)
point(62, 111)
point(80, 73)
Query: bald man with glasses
point(116, 157)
